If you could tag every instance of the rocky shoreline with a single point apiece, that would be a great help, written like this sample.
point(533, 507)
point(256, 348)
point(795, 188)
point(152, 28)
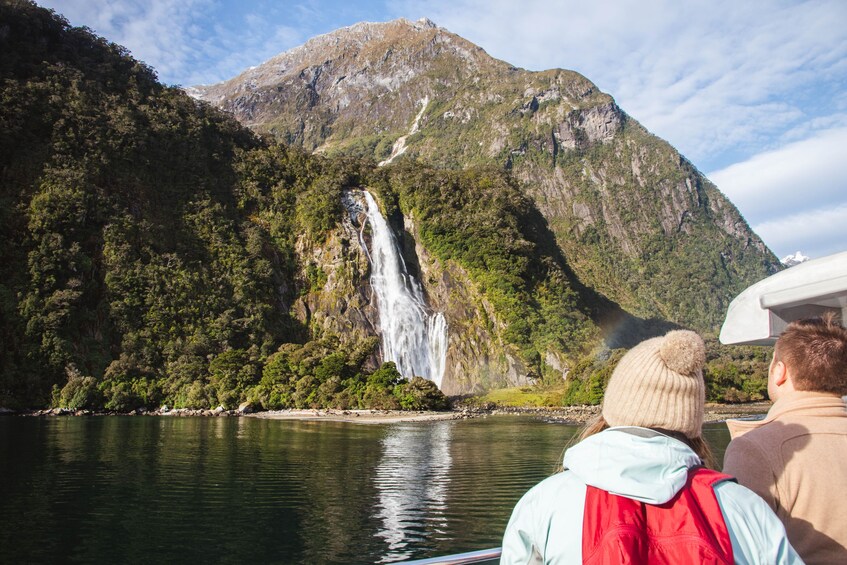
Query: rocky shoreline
point(574, 415)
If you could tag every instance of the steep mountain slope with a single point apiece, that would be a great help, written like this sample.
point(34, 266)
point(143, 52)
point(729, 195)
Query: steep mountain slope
point(633, 219)
point(154, 250)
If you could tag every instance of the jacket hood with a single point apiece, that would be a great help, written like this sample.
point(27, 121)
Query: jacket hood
point(637, 463)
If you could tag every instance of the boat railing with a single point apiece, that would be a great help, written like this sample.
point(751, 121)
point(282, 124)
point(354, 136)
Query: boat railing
point(479, 556)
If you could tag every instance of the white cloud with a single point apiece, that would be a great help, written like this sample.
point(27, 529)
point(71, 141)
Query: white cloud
point(795, 196)
point(164, 34)
point(816, 233)
point(186, 41)
point(803, 175)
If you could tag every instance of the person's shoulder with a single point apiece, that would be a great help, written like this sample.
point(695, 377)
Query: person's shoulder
point(758, 536)
point(750, 458)
point(741, 505)
point(750, 443)
point(738, 496)
point(562, 480)
point(537, 507)
point(564, 484)
point(770, 433)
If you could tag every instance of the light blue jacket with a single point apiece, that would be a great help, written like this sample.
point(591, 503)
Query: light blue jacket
point(546, 524)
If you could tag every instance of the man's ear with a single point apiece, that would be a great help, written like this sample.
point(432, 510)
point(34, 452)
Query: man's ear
point(780, 373)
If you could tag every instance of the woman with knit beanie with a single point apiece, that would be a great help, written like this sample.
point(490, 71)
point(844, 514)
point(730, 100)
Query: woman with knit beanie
point(635, 488)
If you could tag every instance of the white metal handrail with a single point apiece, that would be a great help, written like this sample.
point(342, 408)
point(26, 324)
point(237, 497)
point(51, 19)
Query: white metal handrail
point(478, 556)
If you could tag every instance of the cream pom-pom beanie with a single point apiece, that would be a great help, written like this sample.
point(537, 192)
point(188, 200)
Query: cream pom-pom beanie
point(659, 384)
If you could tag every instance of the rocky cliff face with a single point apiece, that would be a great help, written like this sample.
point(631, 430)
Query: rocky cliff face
point(477, 357)
point(634, 220)
point(339, 298)
point(341, 301)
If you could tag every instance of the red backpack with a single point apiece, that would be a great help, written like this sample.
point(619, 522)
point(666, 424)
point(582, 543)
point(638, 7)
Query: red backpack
point(689, 528)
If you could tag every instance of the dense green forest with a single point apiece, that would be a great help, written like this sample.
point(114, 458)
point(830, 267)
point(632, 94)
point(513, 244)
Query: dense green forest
point(146, 239)
point(148, 247)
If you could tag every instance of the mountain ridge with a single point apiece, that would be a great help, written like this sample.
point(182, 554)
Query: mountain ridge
point(599, 178)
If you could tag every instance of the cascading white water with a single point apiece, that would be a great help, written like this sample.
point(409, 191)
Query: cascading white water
point(413, 338)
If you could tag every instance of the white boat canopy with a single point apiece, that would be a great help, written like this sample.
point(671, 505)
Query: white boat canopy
point(759, 314)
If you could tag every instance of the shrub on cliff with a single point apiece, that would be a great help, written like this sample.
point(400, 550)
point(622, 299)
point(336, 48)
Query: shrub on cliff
point(231, 373)
point(420, 394)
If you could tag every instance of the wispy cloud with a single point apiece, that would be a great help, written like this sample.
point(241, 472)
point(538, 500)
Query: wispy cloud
point(162, 33)
point(803, 232)
point(805, 175)
point(794, 196)
point(186, 41)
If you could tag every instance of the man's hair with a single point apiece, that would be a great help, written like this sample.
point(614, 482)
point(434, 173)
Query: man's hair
point(815, 351)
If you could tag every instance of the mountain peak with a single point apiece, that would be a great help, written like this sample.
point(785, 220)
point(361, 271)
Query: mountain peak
point(621, 202)
point(796, 259)
point(426, 22)
point(391, 52)
point(350, 71)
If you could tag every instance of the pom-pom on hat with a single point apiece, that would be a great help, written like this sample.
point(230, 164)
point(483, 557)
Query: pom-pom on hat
point(659, 384)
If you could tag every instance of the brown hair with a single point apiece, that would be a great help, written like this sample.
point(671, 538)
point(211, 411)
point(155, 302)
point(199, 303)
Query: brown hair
point(815, 351)
point(697, 444)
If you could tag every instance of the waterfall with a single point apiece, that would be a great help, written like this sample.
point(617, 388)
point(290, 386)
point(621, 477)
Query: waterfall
point(412, 337)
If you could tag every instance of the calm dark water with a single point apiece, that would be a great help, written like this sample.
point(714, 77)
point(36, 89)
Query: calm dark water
point(233, 490)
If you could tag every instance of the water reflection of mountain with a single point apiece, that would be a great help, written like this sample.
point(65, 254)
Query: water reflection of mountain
point(411, 481)
point(266, 491)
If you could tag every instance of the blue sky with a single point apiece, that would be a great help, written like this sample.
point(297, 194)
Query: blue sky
point(754, 93)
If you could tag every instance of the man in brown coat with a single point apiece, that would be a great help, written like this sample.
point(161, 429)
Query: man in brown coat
point(796, 458)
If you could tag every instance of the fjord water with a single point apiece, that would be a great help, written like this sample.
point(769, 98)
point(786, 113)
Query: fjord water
point(126, 489)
